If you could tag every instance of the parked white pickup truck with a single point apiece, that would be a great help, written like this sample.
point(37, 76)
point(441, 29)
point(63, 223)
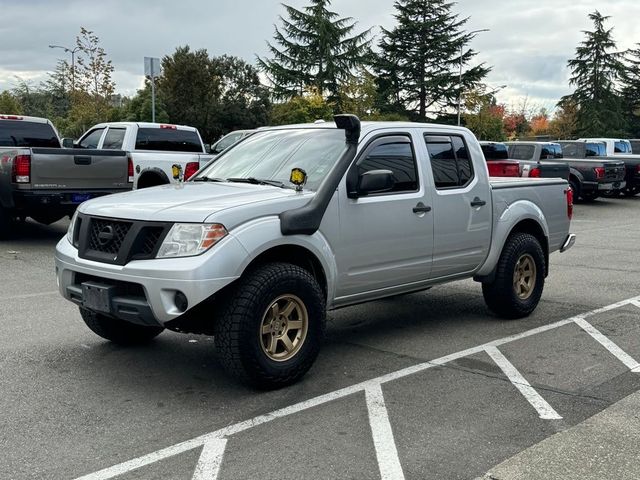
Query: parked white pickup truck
point(614, 146)
point(158, 153)
point(295, 220)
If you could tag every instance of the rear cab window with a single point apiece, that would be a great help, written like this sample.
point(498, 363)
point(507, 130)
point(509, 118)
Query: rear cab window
point(20, 133)
point(450, 161)
point(521, 152)
point(495, 151)
point(168, 139)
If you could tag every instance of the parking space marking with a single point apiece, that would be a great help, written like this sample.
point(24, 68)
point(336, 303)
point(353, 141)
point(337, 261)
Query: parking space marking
point(607, 343)
point(210, 460)
point(223, 433)
point(386, 451)
point(545, 411)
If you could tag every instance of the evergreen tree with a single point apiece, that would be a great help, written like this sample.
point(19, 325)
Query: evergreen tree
point(596, 72)
point(315, 50)
point(419, 60)
point(631, 91)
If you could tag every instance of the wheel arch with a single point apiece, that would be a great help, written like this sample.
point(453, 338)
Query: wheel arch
point(521, 217)
point(143, 180)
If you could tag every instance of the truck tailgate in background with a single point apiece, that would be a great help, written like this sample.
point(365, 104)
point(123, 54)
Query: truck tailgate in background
point(78, 169)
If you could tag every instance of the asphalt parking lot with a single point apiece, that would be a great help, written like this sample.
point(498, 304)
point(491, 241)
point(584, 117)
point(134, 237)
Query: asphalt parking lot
point(428, 385)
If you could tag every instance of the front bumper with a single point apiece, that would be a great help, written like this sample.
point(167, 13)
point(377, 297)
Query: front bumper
point(145, 290)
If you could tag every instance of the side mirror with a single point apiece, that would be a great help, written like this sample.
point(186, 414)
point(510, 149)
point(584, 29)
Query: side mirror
point(375, 181)
point(68, 143)
point(207, 148)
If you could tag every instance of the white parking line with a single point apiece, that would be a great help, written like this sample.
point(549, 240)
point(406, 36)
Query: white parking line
point(210, 460)
point(545, 410)
point(386, 451)
point(615, 350)
point(225, 432)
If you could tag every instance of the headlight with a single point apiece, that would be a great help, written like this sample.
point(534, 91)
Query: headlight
point(189, 239)
point(72, 227)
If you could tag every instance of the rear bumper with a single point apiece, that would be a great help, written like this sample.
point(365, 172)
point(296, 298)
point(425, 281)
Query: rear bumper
point(608, 186)
point(66, 199)
point(568, 243)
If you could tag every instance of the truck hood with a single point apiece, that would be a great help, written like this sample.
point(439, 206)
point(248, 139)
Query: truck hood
point(193, 202)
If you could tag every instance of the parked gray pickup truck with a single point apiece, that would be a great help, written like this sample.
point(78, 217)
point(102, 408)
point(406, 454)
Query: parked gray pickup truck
point(41, 180)
point(296, 220)
point(589, 177)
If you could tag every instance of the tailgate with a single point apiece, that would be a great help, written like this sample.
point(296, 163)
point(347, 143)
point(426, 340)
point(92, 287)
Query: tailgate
point(554, 170)
point(78, 169)
point(614, 171)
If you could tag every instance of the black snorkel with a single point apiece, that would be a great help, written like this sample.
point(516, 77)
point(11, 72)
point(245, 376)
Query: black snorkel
point(306, 220)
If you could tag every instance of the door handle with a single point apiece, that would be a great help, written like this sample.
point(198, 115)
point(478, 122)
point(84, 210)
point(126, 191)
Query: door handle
point(421, 208)
point(478, 203)
point(82, 160)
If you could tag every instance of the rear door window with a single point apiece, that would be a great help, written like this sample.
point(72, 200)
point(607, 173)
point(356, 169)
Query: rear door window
point(91, 139)
point(622, 147)
point(114, 139)
point(450, 161)
point(168, 140)
point(18, 133)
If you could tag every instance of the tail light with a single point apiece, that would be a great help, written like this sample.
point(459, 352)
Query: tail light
point(569, 193)
point(21, 171)
point(190, 170)
point(599, 171)
point(130, 169)
point(535, 173)
point(503, 169)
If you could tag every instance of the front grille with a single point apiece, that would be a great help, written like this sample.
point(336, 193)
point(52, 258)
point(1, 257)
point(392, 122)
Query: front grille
point(148, 240)
point(107, 236)
point(118, 241)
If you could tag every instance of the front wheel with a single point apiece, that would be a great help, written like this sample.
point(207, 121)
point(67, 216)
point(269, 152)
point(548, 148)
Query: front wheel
point(519, 281)
point(118, 331)
point(271, 326)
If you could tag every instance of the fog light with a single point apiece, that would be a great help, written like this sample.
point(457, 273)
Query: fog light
point(181, 302)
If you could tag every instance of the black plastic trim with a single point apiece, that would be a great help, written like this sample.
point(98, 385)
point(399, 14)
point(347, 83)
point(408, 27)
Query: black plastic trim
point(306, 220)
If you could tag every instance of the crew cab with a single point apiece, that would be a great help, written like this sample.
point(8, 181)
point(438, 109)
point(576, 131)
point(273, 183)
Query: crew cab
point(500, 164)
point(597, 150)
point(613, 146)
point(589, 178)
point(159, 153)
point(295, 220)
point(42, 180)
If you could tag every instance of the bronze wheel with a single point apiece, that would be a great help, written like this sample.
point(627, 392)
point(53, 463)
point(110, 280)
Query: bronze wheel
point(524, 277)
point(284, 328)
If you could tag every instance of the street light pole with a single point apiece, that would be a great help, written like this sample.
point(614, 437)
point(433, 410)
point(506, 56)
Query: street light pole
point(460, 77)
point(72, 51)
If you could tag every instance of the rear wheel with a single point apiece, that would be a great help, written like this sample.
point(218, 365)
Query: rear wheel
point(575, 186)
point(272, 326)
point(631, 191)
point(519, 281)
point(118, 331)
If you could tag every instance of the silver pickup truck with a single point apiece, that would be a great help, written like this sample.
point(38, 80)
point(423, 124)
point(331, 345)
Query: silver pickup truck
point(296, 220)
point(42, 180)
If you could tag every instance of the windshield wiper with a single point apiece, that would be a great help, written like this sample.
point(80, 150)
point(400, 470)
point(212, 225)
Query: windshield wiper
point(208, 179)
point(258, 181)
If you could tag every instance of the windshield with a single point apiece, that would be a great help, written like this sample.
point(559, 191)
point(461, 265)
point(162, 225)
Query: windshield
point(271, 154)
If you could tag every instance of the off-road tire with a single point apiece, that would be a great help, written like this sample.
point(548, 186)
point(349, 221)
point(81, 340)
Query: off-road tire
point(119, 331)
point(237, 340)
point(500, 295)
point(631, 191)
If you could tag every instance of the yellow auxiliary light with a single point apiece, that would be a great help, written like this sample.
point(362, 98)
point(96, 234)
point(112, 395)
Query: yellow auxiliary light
point(176, 171)
point(298, 178)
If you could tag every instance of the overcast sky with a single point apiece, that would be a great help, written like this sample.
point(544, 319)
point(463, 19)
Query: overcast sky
point(528, 46)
